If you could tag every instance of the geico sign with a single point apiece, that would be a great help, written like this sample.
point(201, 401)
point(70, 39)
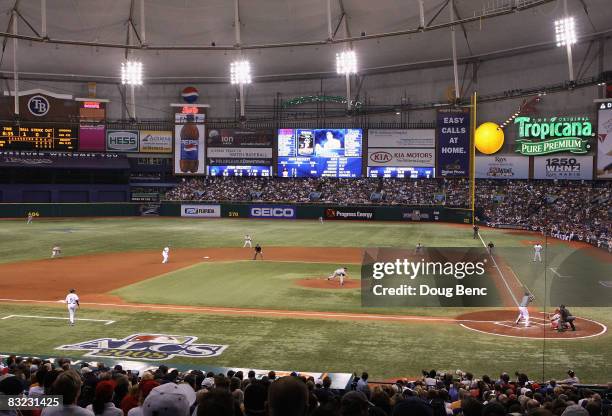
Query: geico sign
point(272, 212)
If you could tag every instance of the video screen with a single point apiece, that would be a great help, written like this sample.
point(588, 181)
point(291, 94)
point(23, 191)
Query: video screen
point(239, 171)
point(389, 172)
point(320, 153)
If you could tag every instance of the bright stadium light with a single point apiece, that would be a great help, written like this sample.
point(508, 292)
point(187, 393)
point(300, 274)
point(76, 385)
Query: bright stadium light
point(131, 73)
point(346, 62)
point(565, 31)
point(240, 72)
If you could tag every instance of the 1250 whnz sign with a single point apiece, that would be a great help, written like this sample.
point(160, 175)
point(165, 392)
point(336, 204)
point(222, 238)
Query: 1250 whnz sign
point(201, 211)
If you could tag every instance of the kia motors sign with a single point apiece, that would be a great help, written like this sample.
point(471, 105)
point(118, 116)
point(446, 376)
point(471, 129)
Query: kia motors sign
point(272, 212)
point(399, 157)
point(122, 141)
point(201, 211)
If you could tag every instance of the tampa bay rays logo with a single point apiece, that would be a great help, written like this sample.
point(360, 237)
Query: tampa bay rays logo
point(147, 347)
point(38, 105)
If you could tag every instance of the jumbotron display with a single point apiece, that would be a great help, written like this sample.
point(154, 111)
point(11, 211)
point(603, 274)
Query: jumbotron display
point(264, 171)
point(32, 137)
point(320, 152)
point(389, 172)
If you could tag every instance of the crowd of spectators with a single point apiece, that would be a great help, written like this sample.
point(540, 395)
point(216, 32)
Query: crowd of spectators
point(569, 210)
point(93, 389)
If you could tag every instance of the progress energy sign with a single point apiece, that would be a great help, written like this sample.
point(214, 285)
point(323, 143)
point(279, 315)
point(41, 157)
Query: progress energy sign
point(453, 134)
point(502, 167)
point(604, 141)
point(538, 136)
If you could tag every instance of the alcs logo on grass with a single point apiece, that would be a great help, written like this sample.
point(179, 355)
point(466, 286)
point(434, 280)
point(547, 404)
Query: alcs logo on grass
point(147, 347)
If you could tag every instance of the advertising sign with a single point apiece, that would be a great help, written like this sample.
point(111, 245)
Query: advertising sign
point(393, 172)
point(153, 141)
point(401, 138)
point(240, 138)
point(396, 157)
point(240, 152)
point(319, 152)
point(91, 138)
point(239, 170)
point(272, 211)
point(189, 149)
point(563, 167)
point(350, 213)
point(502, 167)
point(201, 211)
point(541, 135)
point(604, 141)
point(122, 141)
point(453, 132)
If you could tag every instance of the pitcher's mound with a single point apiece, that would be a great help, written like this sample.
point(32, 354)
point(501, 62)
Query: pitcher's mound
point(323, 283)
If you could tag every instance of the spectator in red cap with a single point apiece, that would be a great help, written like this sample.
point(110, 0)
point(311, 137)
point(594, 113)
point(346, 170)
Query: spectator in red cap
point(103, 400)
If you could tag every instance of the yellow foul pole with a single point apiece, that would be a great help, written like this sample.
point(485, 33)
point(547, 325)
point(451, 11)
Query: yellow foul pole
point(473, 156)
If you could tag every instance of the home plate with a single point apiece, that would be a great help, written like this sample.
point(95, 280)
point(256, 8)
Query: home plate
point(205, 257)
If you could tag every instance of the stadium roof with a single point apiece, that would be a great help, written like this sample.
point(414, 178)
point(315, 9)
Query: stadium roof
point(179, 35)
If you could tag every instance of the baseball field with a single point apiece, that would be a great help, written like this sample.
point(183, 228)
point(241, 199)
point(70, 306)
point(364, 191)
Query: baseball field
point(281, 312)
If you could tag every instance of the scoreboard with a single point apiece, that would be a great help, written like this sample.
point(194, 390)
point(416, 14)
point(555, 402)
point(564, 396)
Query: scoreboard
point(31, 137)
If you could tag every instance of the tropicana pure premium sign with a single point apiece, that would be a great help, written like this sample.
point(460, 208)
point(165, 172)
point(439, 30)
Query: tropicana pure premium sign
point(541, 136)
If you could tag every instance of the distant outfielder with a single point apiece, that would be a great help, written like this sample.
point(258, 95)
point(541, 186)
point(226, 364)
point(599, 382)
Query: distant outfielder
point(30, 218)
point(56, 251)
point(418, 249)
point(537, 252)
point(340, 274)
point(475, 228)
point(258, 252)
point(165, 254)
point(321, 220)
point(72, 301)
point(524, 308)
point(247, 241)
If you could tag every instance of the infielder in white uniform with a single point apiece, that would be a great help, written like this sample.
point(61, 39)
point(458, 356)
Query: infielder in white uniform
point(247, 241)
point(524, 308)
point(72, 301)
point(340, 274)
point(56, 251)
point(165, 254)
point(537, 252)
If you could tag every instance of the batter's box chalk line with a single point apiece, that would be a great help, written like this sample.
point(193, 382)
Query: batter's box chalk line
point(106, 321)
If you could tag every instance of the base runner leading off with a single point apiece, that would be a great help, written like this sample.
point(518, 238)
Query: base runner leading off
point(247, 241)
point(340, 274)
point(72, 301)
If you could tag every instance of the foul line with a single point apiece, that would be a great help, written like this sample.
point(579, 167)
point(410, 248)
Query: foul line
point(500, 273)
point(107, 321)
point(279, 313)
point(554, 270)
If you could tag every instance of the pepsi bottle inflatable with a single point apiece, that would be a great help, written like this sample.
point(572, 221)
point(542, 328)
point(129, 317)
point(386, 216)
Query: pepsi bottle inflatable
point(190, 141)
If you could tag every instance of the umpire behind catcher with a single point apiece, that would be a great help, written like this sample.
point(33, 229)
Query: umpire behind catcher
point(566, 318)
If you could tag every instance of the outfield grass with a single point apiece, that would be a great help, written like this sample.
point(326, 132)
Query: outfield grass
point(19, 241)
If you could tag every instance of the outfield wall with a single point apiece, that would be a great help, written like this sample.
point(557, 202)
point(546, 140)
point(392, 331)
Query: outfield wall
point(241, 210)
point(316, 211)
